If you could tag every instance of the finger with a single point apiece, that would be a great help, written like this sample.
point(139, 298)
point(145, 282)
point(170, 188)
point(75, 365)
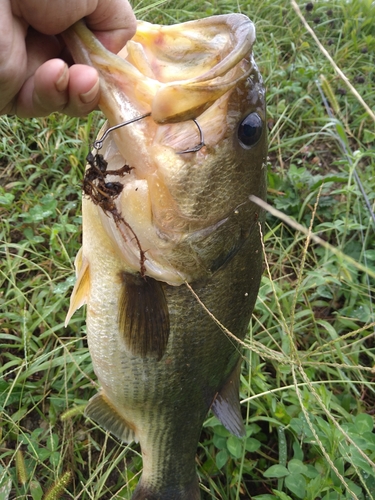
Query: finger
point(83, 91)
point(55, 87)
point(54, 17)
point(13, 58)
point(38, 49)
point(113, 20)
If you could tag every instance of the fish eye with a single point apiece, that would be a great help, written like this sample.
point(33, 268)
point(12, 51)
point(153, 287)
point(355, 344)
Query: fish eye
point(250, 130)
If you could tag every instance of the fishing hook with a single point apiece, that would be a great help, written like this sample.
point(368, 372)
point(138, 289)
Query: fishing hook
point(199, 146)
point(98, 144)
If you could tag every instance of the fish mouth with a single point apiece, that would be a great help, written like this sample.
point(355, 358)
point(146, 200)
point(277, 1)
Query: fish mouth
point(173, 72)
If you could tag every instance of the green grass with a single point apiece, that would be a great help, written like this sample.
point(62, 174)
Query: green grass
point(308, 379)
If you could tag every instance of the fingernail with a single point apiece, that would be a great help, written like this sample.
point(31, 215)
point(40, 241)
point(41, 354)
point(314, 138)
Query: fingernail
point(62, 82)
point(91, 94)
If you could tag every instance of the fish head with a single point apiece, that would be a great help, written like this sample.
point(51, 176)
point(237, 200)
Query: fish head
point(184, 173)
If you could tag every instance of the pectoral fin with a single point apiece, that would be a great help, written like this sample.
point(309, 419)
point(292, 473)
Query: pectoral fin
point(105, 414)
point(82, 286)
point(143, 316)
point(226, 405)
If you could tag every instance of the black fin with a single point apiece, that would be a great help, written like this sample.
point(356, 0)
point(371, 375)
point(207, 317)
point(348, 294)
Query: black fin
point(226, 406)
point(187, 492)
point(106, 415)
point(143, 316)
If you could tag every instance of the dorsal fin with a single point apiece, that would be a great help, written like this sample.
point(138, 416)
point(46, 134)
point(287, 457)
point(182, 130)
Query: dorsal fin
point(226, 406)
point(100, 409)
point(82, 286)
point(143, 316)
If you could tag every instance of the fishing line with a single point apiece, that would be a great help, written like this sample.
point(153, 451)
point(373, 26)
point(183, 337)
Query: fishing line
point(228, 333)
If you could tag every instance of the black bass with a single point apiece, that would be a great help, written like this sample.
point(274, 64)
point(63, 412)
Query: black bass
point(166, 210)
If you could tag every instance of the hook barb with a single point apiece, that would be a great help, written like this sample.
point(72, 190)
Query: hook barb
point(199, 146)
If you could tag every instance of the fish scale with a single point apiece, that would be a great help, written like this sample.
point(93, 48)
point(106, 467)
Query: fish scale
point(170, 387)
point(175, 223)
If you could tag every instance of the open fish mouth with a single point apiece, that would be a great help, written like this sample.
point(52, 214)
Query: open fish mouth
point(173, 72)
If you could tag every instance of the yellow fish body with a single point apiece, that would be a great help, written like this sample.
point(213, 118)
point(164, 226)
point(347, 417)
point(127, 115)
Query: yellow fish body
point(156, 218)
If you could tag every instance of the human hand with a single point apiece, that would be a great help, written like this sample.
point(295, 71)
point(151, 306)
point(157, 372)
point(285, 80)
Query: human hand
point(35, 80)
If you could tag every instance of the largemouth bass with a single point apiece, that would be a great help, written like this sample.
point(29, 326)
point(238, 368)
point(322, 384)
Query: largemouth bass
point(166, 219)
